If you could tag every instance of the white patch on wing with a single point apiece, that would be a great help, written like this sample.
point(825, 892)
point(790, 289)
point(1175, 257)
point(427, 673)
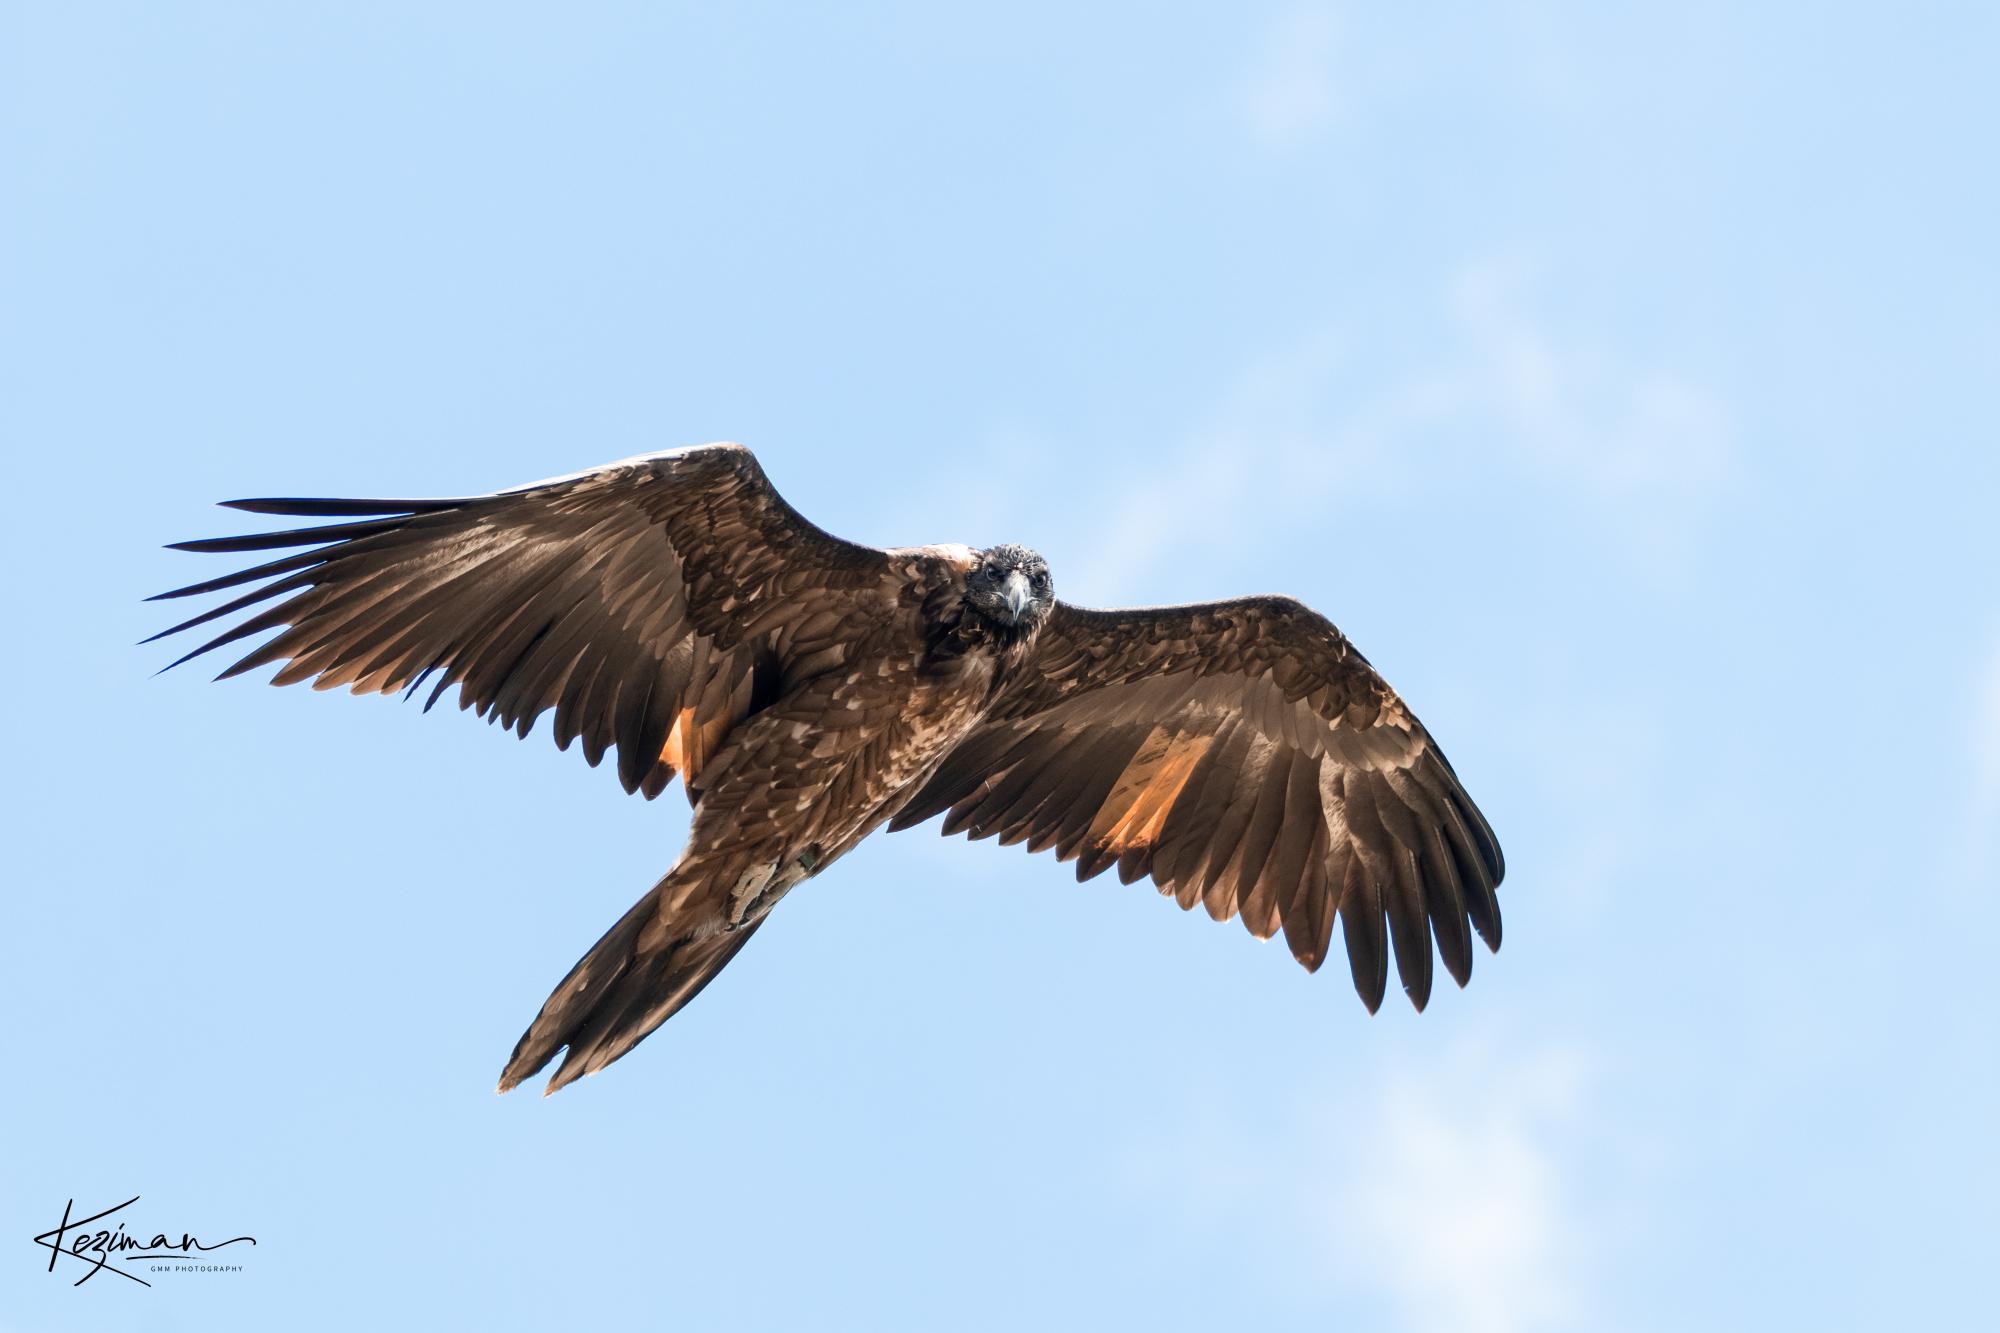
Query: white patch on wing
point(954, 552)
point(634, 461)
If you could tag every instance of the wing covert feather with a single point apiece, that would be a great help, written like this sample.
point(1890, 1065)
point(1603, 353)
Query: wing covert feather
point(1247, 758)
point(652, 603)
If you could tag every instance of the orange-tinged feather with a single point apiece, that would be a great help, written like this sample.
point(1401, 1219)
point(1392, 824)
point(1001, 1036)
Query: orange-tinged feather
point(674, 753)
point(1144, 793)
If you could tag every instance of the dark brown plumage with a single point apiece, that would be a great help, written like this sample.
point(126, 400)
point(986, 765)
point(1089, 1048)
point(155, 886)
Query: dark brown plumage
point(807, 690)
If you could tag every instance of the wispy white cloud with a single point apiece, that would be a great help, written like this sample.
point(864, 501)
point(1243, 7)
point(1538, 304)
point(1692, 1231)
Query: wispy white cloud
point(1291, 92)
point(1641, 436)
point(1442, 1195)
point(1459, 1212)
point(1983, 821)
point(1644, 446)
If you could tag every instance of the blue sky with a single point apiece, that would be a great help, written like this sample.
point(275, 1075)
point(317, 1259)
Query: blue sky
point(1621, 380)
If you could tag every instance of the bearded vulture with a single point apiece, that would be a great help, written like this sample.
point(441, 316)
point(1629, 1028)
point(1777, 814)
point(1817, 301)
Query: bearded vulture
point(807, 690)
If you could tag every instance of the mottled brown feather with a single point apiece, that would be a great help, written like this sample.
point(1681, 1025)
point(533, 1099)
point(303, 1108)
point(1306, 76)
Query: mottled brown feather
point(653, 604)
point(1247, 758)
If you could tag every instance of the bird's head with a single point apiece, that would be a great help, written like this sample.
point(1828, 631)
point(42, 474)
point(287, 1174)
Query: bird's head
point(1010, 586)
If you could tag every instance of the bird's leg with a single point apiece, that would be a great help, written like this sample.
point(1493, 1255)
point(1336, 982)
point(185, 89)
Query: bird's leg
point(758, 890)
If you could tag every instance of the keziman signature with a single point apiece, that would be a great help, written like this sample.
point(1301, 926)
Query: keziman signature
point(105, 1250)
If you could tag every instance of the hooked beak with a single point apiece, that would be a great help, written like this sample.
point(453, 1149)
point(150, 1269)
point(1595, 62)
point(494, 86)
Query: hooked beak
point(1015, 591)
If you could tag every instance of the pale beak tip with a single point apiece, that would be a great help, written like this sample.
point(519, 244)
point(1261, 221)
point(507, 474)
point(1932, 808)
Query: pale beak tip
point(1017, 593)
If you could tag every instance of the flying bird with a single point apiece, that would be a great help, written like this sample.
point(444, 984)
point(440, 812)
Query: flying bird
point(808, 690)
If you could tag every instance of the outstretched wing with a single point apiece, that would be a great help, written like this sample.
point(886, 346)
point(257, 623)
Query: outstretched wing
point(651, 603)
point(1249, 759)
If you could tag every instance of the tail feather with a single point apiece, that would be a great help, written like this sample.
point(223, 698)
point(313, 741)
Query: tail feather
point(620, 991)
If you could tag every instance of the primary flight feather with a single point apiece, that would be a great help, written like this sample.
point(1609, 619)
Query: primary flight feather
point(806, 690)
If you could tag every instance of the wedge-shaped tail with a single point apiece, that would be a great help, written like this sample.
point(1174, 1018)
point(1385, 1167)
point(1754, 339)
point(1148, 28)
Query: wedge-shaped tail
point(643, 972)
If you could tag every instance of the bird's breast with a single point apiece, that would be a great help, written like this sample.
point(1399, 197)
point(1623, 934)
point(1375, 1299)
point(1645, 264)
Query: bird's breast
point(941, 708)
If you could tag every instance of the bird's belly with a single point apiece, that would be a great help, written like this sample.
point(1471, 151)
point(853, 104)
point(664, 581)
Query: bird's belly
point(871, 785)
point(923, 744)
point(800, 787)
point(815, 775)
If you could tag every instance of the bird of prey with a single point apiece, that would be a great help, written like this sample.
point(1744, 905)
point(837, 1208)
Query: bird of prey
point(807, 690)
